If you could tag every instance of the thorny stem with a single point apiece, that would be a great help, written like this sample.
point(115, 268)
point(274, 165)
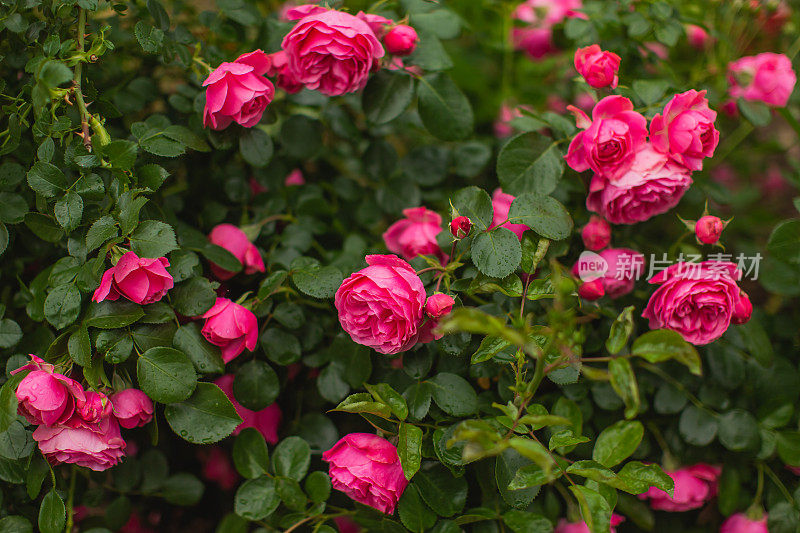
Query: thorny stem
point(87, 138)
point(780, 485)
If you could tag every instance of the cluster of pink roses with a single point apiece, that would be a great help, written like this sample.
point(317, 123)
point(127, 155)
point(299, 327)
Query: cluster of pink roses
point(75, 425)
point(636, 179)
point(328, 50)
point(539, 18)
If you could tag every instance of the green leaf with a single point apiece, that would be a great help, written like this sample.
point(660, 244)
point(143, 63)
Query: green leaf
point(15, 524)
point(151, 176)
point(318, 486)
point(129, 205)
point(784, 242)
point(443, 108)
point(53, 73)
point(16, 442)
point(316, 281)
point(182, 489)
point(490, 347)
point(153, 238)
point(640, 477)
point(13, 208)
point(453, 394)
point(250, 455)
point(595, 510)
point(100, 231)
point(256, 385)
point(663, 344)
point(151, 39)
point(757, 342)
point(46, 179)
point(8, 402)
point(624, 382)
point(69, 210)
point(10, 333)
point(738, 431)
point(42, 226)
point(621, 331)
point(617, 442)
point(756, 113)
point(534, 451)
point(565, 438)
point(206, 416)
point(291, 494)
point(788, 444)
point(166, 375)
point(256, 498)
point(475, 204)
point(194, 296)
point(650, 91)
point(430, 55)
point(386, 96)
point(543, 214)
point(361, 402)
point(496, 253)
point(52, 513)
point(409, 448)
point(443, 492)
point(418, 397)
point(527, 522)
point(301, 136)
point(413, 512)
point(111, 315)
point(120, 153)
point(291, 458)
point(384, 393)
point(697, 426)
point(281, 346)
point(256, 147)
point(62, 305)
point(530, 162)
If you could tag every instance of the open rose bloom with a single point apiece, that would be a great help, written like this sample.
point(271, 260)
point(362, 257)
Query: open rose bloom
point(236, 242)
point(685, 131)
point(598, 67)
point(367, 468)
point(415, 234)
point(767, 78)
point(331, 51)
point(238, 92)
point(381, 306)
point(230, 326)
point(694, 486)
point(138, 279)
point(698, 300)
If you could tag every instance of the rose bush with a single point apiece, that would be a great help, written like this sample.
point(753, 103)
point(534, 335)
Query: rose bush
point(465, 265)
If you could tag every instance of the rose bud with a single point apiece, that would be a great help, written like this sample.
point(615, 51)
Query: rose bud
point(132, 408)
point(743, 309)
point(598, 67)
point(439, 305)
point(460, 227)
point(592, 290)
point(367, 468)
point(596, 234)
point(230, 326)
point(138, 279)
point(401, 40)
point(708, 229)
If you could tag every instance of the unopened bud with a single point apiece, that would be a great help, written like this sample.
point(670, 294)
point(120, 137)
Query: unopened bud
point(460, 227)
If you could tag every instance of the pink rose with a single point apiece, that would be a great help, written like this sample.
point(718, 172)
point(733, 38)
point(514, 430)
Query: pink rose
point(621, 268)
point(401, 40)
point(708, 229)
point(279, 68)
point(585, 101)
point(45, 397)
point(132, 408)
point(439, 305)
point(695, 299)
point(217, 467)
point(548, 12)
point(598, 67)
point(686, 129)
point(610, 141)
point(91, 411)
point(501, 205)
point(97, 446)
point(698, 37)
point(138, 279)
point(416, 234)
point(266, 421)
point(766, 77)
point(502, 124)
point(345, 524)
point(536, 42)
point(236, 242)
point(654, 184)
point(295, 177)
point(332, 51)
point(694, 486)
point(581, 527)
point(743, 309)
point(740, 523)
point(381, 305)
point(596, 234)
point(232, 327)
point(592, 290)
point(367, 468)
point(238, 92)
point(376, 23)
point(298, 12)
